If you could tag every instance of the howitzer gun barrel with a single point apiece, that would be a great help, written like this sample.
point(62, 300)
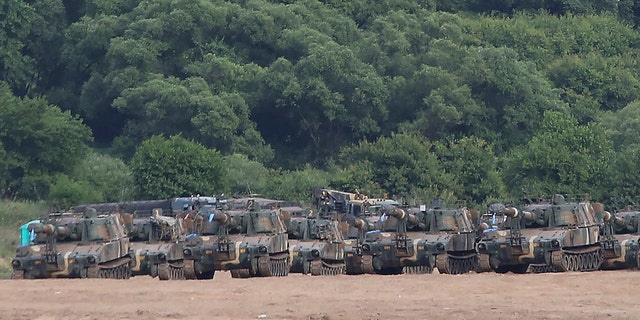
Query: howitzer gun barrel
point(64, 231)
point(510, 212)
point(224, 219)
point(45, 228)
point(515, 213)
point(400, 214)
point(608, 217)
point(361, 224)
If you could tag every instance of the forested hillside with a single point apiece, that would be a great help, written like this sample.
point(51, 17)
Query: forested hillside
point(109, 100)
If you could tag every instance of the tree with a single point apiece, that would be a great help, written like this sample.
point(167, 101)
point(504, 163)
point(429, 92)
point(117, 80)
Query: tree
point(109, 177)
point(164, 168)
point(16, 68)
point(295, 184)
point(474, 167)
point(327, 99)
point(39, 141)
point(622, 126)
point(66, 192)
point(245, 176)
point(563, 156)
point(400, 164)
point(622, 183)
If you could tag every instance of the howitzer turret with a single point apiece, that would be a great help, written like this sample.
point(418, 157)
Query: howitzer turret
point(362, 225)
point(316, 246)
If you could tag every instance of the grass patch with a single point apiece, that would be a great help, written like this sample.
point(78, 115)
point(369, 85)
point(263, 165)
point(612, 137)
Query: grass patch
point(13, 214)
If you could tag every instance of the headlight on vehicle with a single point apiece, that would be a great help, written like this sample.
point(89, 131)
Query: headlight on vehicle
point(15, 263)
point(366, 247)
point(91, 259)
point(315, 253)
point(262, 249)
point(186, 252)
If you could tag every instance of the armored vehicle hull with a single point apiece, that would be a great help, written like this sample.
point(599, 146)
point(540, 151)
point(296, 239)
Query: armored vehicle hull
point(198, 253)
point(451, 253)
point(254, 256)
point(385, 253)
point(623, 254)
point(317, 257)
point(162, 260)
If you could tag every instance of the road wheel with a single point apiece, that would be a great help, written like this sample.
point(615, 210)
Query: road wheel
point(163, 271)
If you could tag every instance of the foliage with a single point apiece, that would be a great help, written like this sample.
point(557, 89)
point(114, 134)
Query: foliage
point(295, 185)
point(622, 183)
point(245, 176)
point(107, 176)
point(474, 168)
point(399, 164)
point(356, 93)
point(165, 168)
point(563, 156)
point(39, 141)
point(65, 192)
point(622, 126)
point(16, 68)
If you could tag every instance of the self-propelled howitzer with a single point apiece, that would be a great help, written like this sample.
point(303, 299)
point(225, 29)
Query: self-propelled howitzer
point(570, 240)
point(449, 242)
point(316, 246)
point(156, 245)
point(75, 246)
point(621, 240)
point(385, 246)
point(200, 247)
point(261, 247)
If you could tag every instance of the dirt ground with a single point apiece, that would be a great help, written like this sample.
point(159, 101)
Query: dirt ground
point(592, 295)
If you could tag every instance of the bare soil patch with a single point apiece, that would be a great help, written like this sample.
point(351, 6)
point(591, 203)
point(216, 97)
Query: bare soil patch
point(590, 295)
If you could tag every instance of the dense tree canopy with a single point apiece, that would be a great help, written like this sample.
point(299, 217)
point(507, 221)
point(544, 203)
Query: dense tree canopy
point(466, 100)
point(38, 141)
point(164, 168)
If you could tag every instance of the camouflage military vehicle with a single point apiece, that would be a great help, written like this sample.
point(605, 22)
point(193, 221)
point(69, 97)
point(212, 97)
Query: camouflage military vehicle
point(75, 246)
point(260, 249)
point(248, 242)
point(621, 240)
point(450, 239)
point(385, 246)
point(568, 241)
point(201, 243)
point(316, 245)
point(156, 246)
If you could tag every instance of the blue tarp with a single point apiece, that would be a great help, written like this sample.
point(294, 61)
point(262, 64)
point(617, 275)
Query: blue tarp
point(25, 236)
